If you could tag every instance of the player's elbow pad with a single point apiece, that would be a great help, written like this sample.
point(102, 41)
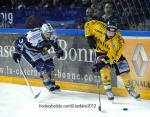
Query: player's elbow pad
point(91, 42)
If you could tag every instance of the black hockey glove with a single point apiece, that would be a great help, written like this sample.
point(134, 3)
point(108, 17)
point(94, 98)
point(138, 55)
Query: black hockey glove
point(97, 67)
point(16, 57)
point(94, 68)
point(59, 53)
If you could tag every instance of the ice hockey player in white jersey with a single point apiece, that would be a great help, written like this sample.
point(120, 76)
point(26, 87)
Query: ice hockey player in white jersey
point(34, 47)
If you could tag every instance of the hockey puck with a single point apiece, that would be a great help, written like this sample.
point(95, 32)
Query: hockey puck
point(99, 108)
point(125, 109)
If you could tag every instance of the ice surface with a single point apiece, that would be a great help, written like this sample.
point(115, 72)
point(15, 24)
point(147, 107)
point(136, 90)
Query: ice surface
point(17, 101)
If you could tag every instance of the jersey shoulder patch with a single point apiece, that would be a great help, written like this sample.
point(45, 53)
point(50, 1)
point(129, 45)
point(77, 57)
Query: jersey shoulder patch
point(34, 37)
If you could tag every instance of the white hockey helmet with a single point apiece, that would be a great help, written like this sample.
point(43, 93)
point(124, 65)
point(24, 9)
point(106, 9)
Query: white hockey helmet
point(47, 30)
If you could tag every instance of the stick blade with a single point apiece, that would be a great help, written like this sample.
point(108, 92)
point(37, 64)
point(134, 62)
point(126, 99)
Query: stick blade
point(99, 108)
point(37, 95)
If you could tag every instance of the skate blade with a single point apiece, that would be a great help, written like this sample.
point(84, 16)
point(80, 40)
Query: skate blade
point(56, 91)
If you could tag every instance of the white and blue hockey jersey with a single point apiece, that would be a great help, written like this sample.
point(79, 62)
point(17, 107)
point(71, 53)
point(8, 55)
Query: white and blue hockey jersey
point(31, 45)
point(34, 41)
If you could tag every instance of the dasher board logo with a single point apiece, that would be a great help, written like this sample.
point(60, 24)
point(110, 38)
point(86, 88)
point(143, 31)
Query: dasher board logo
point(140, 52)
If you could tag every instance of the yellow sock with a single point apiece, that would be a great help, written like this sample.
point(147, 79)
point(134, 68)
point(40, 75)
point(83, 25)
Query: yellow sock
point(127, 80)
point(105, 76)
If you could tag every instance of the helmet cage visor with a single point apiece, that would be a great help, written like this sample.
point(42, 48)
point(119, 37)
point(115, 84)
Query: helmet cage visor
point(47, 30)
point(111, 31)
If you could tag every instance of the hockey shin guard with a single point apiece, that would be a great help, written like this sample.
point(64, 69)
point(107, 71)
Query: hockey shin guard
point(129, 85)
point(106, 79)
point(126, 78)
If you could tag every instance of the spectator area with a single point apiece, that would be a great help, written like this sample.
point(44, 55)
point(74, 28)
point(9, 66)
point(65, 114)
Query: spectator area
point(133, 14)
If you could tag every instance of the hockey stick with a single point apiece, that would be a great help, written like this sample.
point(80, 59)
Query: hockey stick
point(99, 94)
point(98, 85)
point(34, 95)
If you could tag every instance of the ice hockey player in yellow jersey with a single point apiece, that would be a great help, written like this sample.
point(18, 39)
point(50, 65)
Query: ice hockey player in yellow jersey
point(109, 45)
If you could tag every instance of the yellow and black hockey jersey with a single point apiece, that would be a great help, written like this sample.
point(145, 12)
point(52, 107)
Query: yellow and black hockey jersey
point(97, 29)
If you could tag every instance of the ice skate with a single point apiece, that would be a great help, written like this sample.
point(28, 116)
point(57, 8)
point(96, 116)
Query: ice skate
point(110, 95)
point(133, 93)
point(54, 87)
